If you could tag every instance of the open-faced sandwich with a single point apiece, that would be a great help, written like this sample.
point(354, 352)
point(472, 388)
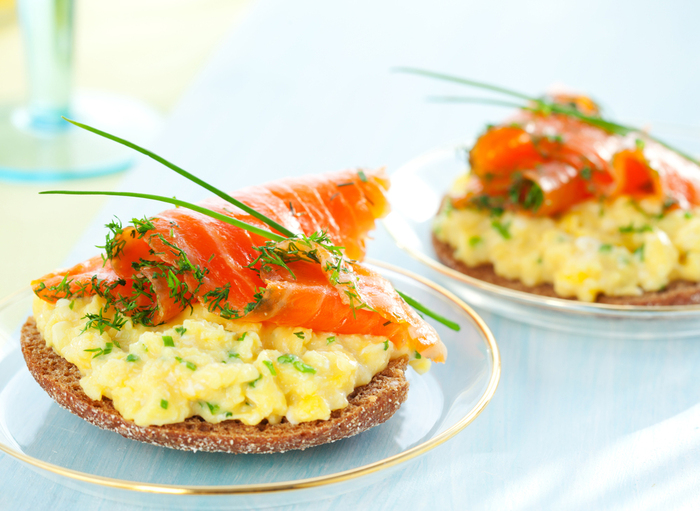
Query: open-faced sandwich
point(560, 202)
point(235, 325)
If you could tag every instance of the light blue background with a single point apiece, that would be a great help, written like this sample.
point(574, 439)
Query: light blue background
point(578, 422)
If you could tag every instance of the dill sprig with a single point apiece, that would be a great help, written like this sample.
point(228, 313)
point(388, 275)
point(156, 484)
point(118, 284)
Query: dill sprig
point(534, 104)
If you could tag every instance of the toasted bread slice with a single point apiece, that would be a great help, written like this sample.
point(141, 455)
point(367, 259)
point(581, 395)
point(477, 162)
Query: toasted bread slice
point(369, 406)
point(680, 292)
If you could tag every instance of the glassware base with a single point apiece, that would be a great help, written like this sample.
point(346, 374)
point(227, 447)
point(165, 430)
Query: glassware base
point(31, 154)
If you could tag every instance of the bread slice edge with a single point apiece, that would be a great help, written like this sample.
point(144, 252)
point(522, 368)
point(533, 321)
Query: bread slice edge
point(369, 405)
point(680, 292)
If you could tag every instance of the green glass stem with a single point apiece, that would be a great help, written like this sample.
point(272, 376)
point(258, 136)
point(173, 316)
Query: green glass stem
point(47, 26)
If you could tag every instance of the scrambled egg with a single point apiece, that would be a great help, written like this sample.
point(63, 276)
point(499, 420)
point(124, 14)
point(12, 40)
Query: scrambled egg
point(619, 248)
point(201, 364)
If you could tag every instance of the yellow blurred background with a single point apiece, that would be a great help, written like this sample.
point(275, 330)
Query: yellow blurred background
point(147, 50)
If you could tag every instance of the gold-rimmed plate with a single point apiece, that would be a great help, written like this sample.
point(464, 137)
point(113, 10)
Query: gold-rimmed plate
point(416, 192)
point(69, 451)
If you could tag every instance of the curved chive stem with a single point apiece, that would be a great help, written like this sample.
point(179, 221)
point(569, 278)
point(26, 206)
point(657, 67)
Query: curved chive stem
point(469, 99)
point(465, 81)
point(213, 214)
point(422, 308)
point(609, 126)
point(278, 227)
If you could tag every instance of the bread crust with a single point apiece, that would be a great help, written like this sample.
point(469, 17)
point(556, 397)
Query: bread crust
point(680, 292)
point(369, 406)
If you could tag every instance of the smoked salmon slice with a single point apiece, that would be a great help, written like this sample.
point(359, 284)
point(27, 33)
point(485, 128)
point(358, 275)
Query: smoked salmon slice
point(158, 267)
point(567, 160)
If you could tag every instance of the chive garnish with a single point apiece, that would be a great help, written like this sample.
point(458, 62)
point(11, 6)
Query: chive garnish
point(386, 345)
point(234, 355)
point(362, 175)
point(163, 404)
point(474, 241)
point(418, 355)
point(242, 337)
point(168, 341)
point(536, 105)
point(212, 408)
point(190, 365)
point(256, 380)
point(330, 339)
point(180, 330)
point(132, 358)
point(278, 227)
point(605, 247)
point(208, 212)
point(420, 307)
point(300, 335)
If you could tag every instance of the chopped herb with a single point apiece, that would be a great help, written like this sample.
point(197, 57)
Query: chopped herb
point(168, 341)
point(586, 173)
point(639, 144)
point(296, 362)
point(639, 252)
point(330, 339)
point(71, 304)
point(132, 358)
point(180, 330)
point(212, 408)
point(210, 258)
point(362, 175)
point(234, 355)
point(190, 365)
point(418, 355)
point(334, 196)
point(300, 335)
point(349, 183)
point(229, 414)
point(502, 229)
point(101, 351)
point(270, 367)
point(474, 241)
point(163, 404)
point(688, 214)
point(387, 323)
point(242, 337)
point(386, 344)
point(179, 359)
point(256, 380)
point(632, 229)
point(605, 247)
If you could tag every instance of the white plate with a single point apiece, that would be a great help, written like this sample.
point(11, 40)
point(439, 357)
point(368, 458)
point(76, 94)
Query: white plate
point(416, 191)
point(69, 451)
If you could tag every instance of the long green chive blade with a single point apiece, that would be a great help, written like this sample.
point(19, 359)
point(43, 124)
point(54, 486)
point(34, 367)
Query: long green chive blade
point(177, 202)
point(187, 175)
point(465, 81)
point(422, 308)
point(470, 99)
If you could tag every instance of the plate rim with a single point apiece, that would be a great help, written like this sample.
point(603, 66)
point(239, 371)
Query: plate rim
point(573, 306)
point(299, 484)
